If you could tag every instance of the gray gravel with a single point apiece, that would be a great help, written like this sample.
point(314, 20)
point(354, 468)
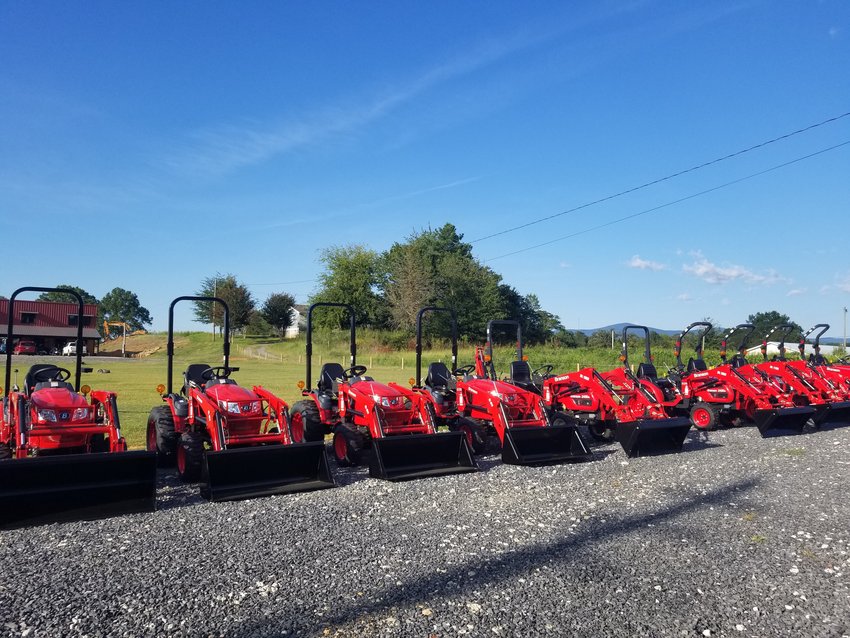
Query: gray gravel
point(739, 536)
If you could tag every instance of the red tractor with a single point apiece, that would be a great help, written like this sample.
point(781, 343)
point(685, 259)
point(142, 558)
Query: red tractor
point(829, 399)
point(396, 426)
point(620, 405)
point(516, 416)
point(709, 400)
point(238, 442)
point(836, 376)
point(758, 398)
point(62, 456)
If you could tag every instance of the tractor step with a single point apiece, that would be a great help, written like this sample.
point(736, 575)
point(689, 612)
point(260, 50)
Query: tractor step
point(72, 487)
point(411, 456)
point(544, 445)
point(649, 437)
point(783, 421)
point(256, 471)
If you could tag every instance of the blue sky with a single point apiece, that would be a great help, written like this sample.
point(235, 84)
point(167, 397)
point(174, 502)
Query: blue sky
point(149, 145)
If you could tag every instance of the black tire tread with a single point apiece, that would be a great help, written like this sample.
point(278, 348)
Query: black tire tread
point(193, 447)
point(314, 429)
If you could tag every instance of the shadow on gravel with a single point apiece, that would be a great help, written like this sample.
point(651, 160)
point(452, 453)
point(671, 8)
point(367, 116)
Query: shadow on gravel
point(505, 567)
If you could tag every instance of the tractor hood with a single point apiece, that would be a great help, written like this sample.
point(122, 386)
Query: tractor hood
point(500, 389)
point(384, 395)
point(57, 399)
point(231, 392)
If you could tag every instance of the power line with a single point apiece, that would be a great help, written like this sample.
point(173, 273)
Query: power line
point(664, 179)
point(668, 204)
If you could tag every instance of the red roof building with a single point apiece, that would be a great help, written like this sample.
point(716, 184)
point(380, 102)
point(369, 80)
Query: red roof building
point(49, 324)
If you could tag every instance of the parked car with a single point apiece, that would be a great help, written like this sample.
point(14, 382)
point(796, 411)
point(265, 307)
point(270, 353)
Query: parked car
point(24, 347)
point(70, 349)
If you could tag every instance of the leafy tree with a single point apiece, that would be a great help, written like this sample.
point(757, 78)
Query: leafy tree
point(600, 339)
point(277, 311)
point(257, 325)
point(352, 274)
point(767, 321)
point(237, 297)
point(122, 305)
point(64, 297)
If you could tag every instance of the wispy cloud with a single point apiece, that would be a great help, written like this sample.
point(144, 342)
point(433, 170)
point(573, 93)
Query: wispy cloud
point(564, 264)
point(713, 273)
point(794, 292)
point(644, 264)
point(684, 297)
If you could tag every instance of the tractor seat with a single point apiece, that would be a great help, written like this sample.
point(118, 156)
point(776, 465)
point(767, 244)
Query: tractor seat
point(193, 375)
point(328, 377)
point(647, 371)
point(818, 360)
point(697, 365)
point(521, 376)
point(737, 361)
point(438, 375)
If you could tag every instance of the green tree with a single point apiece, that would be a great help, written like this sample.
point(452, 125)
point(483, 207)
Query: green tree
point(352, 275)
point(601, 339)
point(122, 305)
point(277, 311)
point(767, 321)
point(236, 295)
point(64, 297)
point(409, 284)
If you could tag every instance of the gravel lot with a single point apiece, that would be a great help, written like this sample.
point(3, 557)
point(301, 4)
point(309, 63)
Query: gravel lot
point(737, 536)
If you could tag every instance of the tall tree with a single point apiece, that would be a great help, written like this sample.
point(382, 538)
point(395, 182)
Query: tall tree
point(64, 297)
point(352, 274)
point(236, 295)
point(277, 311)
point(409, 284)
point(123, 305)
point(767, 321)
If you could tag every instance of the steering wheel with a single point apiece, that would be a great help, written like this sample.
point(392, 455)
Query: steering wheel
point(354, 371)
point(464, 370)
point(543, 371)
point(216, 372)
point(52, 374)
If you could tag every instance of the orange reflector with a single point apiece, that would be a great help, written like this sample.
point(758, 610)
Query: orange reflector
point(300, 385)
point(160, 388)
point(411, 381)
point(85, 389)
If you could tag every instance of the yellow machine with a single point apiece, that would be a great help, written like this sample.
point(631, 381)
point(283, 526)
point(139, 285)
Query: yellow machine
point(126, 330)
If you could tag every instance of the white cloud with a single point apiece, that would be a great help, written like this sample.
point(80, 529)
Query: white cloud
point(713, 273)
point(684, 297)
point(644, 264)
point(564, 264)
point(794, 292)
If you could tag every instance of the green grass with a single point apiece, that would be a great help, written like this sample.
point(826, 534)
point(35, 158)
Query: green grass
point(279, 365)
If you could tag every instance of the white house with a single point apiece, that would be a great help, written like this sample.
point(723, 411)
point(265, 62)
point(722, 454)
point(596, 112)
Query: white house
point(299, 321)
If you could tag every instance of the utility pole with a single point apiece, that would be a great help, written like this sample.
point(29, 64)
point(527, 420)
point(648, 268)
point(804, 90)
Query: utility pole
point(845, 329)
point(212, 306)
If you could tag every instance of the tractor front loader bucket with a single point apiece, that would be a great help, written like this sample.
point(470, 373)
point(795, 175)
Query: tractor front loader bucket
point(782, 421)
point(410, 456)
point(73, 487)
point(544, 445)
point(249, 472)
point(838, 414)
point(648, 437)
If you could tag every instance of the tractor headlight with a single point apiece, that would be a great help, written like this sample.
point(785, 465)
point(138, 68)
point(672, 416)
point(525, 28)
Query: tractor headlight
point(388, 402)
point(81, 414)
point(229, 406)
point(47, 415)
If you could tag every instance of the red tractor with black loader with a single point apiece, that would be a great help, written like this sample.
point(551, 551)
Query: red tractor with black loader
point(488, 407)
point(394, 427)
point(831, 404)
point(835, 375)
point(238, 443)
point(618, 405)
point(62, 456)
point(758, 398)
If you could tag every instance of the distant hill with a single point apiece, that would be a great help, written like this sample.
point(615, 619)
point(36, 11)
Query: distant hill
point(618, 329)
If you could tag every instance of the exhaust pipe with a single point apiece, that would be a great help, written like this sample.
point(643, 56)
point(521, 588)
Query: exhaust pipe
point(73, 487)
point(782, 421)
point(649, 437)
point(544, 445)
point(411, 456)
point(250, 472)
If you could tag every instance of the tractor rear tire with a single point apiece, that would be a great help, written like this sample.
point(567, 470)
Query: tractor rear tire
point(190, 456)
point(348, 446)
point(560, 419)
point(705, 416)
point(98, 444)
point(305, 415)
point(161, 437)
point(476, 435)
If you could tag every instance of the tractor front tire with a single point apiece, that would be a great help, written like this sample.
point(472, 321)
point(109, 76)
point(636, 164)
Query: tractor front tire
point(98, 444)
point(476, 435)
point(705, 416)
point(190, 457)
point(600, 432)
point(304, 416)
point(348, 445)
point(5, 452)
point(161, 437)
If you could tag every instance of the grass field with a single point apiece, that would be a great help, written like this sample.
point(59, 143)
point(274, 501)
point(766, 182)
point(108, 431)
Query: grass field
point(279, 366)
